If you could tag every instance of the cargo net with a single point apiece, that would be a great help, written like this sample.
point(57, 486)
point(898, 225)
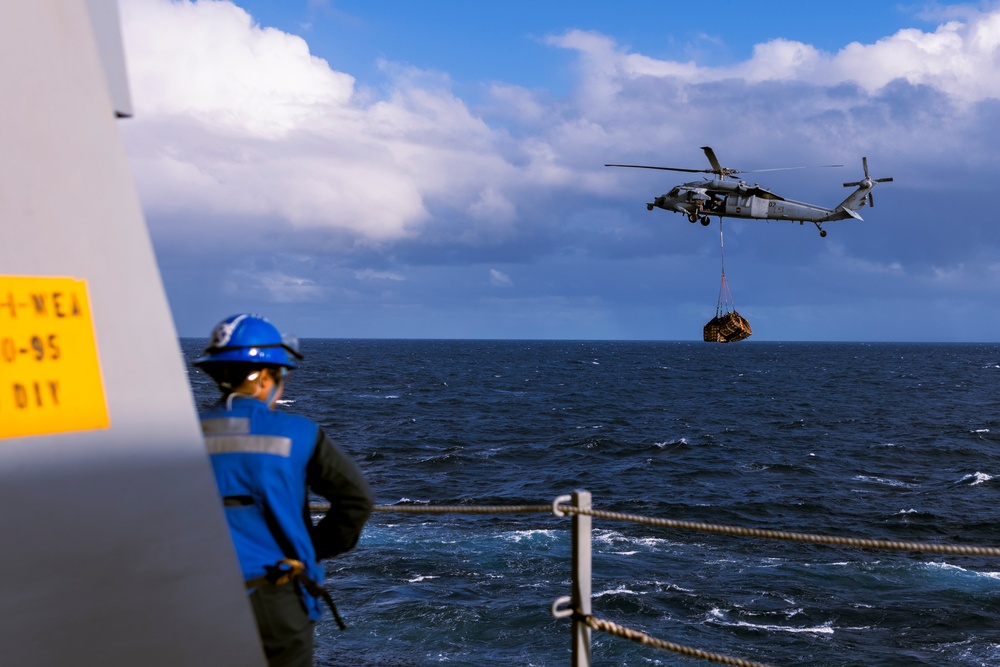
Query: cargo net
point(728, 326)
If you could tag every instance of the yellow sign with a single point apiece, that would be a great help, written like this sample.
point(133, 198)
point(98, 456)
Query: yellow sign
point(50, 373)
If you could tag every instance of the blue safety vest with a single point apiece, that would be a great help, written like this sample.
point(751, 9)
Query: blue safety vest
point(260, 457)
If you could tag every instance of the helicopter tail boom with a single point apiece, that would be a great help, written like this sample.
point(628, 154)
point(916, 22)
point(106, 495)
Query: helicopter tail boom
point(863, 194)
point(842, 212)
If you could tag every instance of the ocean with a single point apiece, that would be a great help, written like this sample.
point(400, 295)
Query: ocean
point(890, 441)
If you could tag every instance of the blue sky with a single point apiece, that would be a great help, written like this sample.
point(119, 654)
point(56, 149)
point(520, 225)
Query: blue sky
point(435, 169)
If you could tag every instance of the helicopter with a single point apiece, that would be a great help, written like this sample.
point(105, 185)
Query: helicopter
point(735, 199)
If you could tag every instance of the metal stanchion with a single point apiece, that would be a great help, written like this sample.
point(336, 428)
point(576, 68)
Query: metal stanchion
point(581, 579)
point(579, 608)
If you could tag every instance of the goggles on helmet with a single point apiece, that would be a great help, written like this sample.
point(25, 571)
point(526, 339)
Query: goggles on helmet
point(250, 339)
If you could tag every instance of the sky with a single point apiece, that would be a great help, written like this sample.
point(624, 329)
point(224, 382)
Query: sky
point(435, 169)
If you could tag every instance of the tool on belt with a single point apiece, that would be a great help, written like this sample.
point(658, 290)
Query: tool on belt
point(289, 570)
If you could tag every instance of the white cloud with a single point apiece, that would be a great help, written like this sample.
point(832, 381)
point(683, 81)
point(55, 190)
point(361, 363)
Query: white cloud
point(238, 120)
point(491, 205)
point(209, 61)
point(273, 287)
point(370, 274)
point(842, 260)
point(500, 279)
point(960, 58)
point(950, 275)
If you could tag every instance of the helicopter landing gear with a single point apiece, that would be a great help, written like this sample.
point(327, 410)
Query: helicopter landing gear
point(705, 222)
point(692, 217)
point(822, 232)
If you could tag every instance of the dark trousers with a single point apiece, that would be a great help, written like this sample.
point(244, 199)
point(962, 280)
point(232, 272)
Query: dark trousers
point(284, 626)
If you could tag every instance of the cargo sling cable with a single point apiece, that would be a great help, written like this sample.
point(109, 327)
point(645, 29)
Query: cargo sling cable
point(728, 326)
point(559, 509)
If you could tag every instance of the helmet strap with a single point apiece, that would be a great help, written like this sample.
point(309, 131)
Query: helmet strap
point(253, 385)
point(276, 385)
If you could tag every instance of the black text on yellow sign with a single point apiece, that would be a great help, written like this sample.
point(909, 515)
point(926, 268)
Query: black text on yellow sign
point(50, 371)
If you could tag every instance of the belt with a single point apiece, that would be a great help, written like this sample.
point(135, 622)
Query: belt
point(289, 570)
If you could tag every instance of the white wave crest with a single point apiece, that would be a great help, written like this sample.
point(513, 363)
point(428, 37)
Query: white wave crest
point(521, 535)
point(975, 478)
point(611, 538)
point(719, 617)
point(621, 590)
point(944, 567)
point(883, 480)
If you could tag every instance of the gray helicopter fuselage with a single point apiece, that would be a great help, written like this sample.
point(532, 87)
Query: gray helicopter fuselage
point(737, 199)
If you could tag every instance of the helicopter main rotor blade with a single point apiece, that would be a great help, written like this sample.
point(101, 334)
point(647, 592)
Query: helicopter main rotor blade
point(714, 161)
point(818, 166)
point(648, 166)
point(718, 169)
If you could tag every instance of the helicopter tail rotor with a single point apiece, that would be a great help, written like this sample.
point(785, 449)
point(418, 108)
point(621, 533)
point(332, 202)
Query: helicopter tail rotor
point(867, 182)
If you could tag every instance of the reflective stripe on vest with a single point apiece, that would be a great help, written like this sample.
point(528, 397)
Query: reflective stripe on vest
point(231, 435)
point(226, 425)
point(249, 444)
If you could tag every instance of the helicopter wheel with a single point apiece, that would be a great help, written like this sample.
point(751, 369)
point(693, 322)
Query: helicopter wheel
point(705, 222)
point(822, 233)
point(692, 217)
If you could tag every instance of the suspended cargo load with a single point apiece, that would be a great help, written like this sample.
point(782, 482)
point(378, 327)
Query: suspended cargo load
point(727, 328)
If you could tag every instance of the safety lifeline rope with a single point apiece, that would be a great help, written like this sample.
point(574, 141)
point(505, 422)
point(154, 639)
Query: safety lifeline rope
point(612, 628)
point(558, 509)
point(786, 535)
point(450, 509)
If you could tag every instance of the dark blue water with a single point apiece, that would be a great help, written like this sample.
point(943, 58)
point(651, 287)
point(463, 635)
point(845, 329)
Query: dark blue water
point(895, 441)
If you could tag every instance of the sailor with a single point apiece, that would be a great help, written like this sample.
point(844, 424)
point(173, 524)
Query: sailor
point(265, 463)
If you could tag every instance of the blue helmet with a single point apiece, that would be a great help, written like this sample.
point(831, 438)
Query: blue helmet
point(248, 339)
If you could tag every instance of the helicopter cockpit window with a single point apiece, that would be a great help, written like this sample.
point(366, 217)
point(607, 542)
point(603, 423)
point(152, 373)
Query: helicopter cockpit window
point(674, 192)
